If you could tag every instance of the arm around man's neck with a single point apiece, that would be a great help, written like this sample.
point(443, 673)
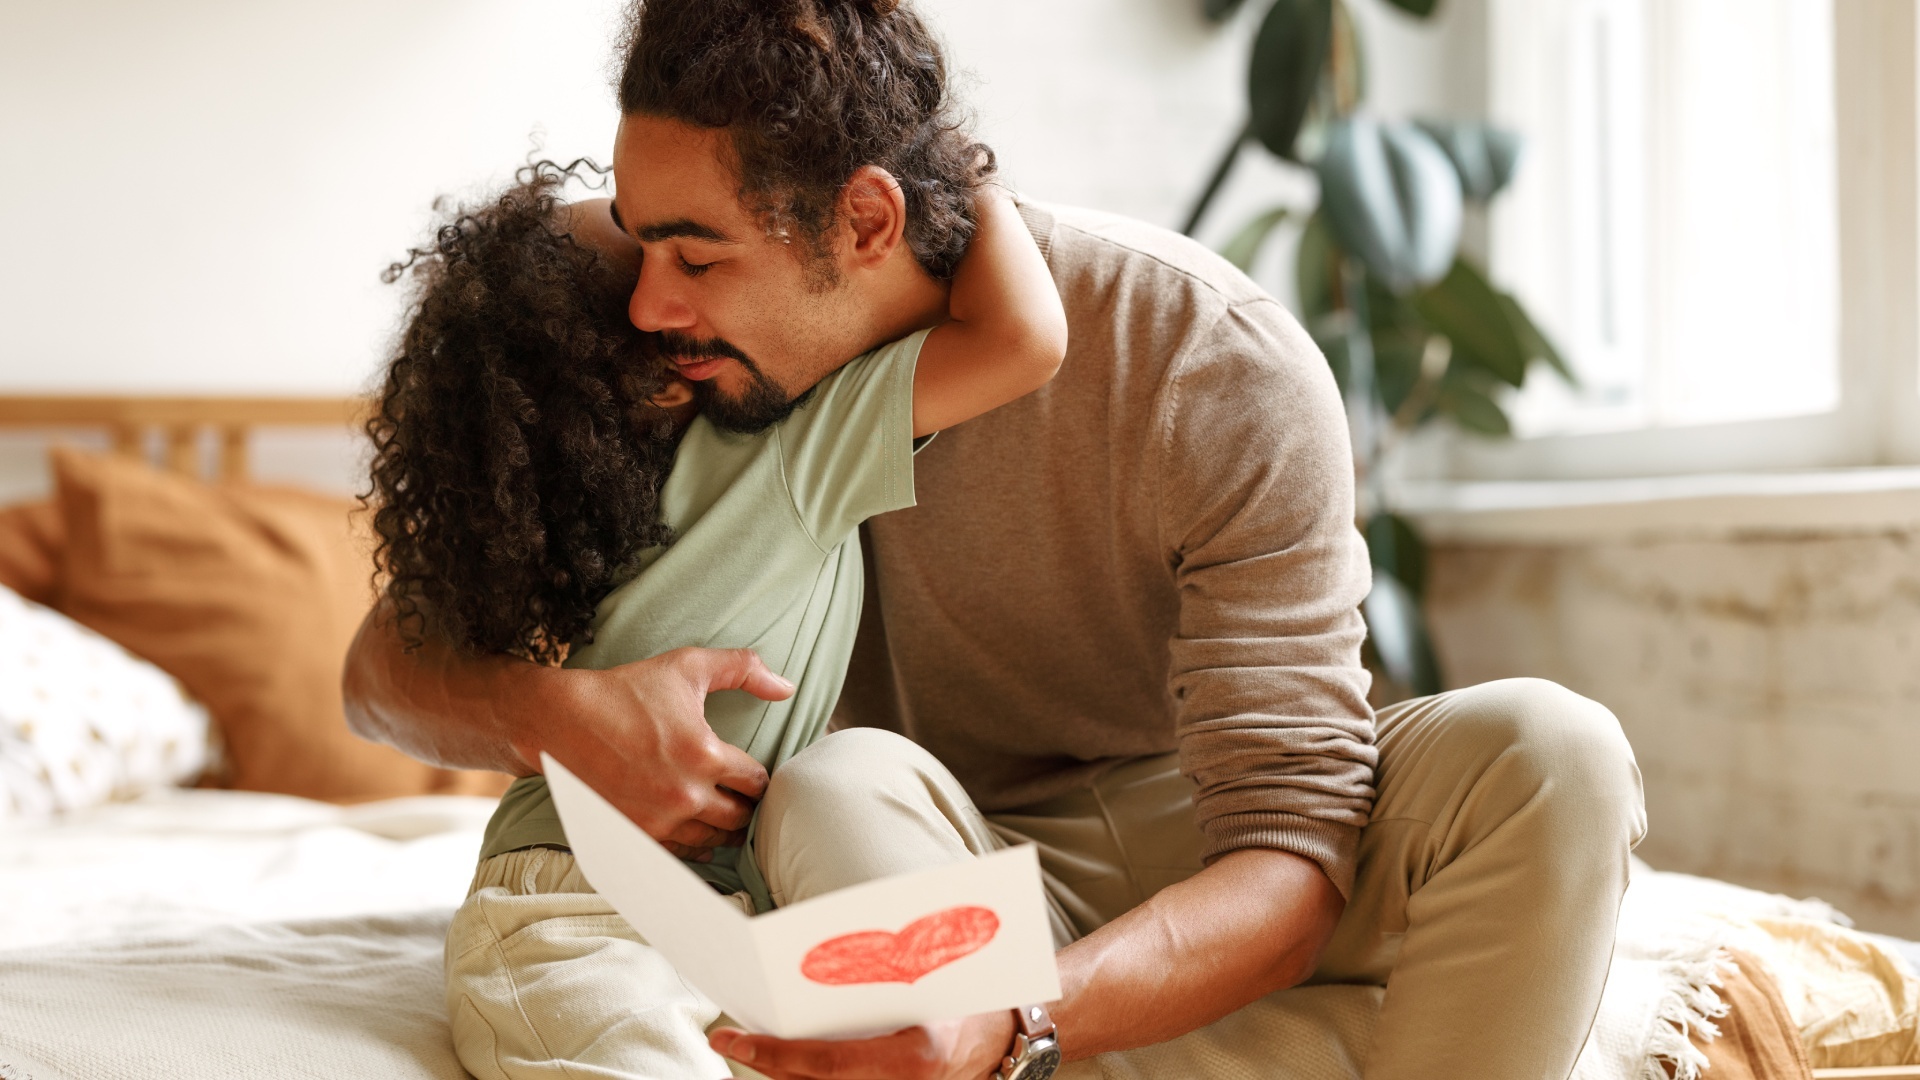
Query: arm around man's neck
point(637, 732)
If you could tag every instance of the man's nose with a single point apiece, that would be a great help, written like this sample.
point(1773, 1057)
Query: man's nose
point(656, 304)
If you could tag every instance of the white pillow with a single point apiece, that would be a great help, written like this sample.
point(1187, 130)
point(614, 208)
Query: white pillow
point(83, 721)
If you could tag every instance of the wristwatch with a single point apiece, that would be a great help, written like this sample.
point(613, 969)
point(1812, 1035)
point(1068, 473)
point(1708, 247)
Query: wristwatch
point(1035, 1052)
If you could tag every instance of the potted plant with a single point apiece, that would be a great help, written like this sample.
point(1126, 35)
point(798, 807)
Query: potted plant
point(1414, 330)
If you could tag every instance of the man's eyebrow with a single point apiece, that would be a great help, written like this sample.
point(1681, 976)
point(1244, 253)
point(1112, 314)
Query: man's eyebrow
point(681, 228)
point(613, 208)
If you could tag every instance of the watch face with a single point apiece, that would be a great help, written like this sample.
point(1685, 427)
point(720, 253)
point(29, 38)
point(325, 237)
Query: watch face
point(1040, 1063)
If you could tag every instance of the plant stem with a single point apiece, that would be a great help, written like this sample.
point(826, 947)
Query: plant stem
point(1434, 361)
point(1361, 418)
point(1218, 179)
point(1435, 358)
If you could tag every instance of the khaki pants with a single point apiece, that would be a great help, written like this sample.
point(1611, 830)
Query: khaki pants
point(1489, 882)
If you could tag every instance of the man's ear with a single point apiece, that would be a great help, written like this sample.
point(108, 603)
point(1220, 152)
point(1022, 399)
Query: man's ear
point(875, 211)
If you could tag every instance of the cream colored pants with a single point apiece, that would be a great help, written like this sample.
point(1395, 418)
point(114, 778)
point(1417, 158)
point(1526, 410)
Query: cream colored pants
point(1488, 886)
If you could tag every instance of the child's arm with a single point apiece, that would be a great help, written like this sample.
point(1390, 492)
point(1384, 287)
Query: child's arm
point(1006, 331)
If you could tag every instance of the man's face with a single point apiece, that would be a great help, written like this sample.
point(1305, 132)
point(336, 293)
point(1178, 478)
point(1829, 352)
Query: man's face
point(740, 313)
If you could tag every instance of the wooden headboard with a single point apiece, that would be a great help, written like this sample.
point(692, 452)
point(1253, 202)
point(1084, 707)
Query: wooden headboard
point(181, 422)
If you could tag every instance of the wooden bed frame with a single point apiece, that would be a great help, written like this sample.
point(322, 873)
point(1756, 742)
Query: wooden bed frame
point(181, 422)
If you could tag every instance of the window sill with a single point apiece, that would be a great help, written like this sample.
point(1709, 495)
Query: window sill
point(1700, 507)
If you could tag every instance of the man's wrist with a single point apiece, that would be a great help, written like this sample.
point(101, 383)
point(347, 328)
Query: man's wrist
point(996, 1032)
point(1034, 1052)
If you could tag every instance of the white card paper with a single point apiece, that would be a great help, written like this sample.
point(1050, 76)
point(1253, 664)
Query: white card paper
point(971, 937)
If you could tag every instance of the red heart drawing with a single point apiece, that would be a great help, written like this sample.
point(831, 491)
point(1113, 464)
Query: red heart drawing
point(923, 945)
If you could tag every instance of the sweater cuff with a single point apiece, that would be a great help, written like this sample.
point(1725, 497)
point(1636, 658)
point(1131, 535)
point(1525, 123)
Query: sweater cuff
point(1334, 846)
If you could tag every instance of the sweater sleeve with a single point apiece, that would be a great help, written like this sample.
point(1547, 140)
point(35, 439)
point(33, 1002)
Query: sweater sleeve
point(1256, 511)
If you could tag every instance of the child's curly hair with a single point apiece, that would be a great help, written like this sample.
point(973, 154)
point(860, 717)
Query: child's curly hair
point(517, 460)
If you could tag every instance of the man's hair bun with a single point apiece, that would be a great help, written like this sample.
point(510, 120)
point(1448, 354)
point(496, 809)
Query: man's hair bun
point(813, 19)
point(872, 9)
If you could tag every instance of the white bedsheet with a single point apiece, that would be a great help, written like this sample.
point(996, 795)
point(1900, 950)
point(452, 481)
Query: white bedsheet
point(224, 936)
point(341, 999)
point(182, 859)
point(215, 935)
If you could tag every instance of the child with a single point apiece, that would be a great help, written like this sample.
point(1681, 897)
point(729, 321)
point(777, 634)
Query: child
point(561, 498)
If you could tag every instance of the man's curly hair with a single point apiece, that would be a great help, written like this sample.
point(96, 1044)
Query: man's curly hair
point(810, 91)
point(517, 461)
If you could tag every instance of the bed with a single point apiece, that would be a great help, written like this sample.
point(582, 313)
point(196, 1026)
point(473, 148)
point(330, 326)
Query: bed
point(285, 916)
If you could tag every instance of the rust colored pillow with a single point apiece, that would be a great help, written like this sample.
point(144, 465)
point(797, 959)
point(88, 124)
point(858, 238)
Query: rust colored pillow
point(249, 596)
point(30, 543)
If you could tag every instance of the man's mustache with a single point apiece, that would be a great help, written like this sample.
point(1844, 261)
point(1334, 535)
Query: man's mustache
point(682, 347)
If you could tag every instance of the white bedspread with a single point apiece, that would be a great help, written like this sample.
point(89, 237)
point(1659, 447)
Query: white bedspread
point(181, 859)
point(346, 999)
point(223, 936)
point(214, 934)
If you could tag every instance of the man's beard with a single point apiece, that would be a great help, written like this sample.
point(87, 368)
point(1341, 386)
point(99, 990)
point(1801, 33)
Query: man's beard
point(763, 403)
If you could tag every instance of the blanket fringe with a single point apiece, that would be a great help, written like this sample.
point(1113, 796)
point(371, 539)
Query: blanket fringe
point(1690, 1004)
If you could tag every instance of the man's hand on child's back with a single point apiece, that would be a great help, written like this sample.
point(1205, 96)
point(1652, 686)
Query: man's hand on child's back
point(638, 734)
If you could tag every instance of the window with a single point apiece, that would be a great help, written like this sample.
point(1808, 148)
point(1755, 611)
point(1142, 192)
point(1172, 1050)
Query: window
point(1716, 220)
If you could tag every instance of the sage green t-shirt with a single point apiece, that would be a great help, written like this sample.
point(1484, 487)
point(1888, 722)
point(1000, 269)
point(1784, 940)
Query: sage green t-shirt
point(766, 556)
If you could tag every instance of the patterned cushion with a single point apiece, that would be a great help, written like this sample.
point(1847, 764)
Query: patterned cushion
point(82, 721)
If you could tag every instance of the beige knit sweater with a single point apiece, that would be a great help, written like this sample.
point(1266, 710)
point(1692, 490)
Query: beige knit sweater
point(1156, 551)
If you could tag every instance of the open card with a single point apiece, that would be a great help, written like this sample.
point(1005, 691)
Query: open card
point(967, 938)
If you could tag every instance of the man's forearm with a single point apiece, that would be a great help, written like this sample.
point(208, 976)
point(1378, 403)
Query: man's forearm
point(442, 706)
point(1253, 922)
point(637, 731)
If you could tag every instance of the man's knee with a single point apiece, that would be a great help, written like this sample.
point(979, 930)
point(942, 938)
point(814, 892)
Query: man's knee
point(844, 772)
point(1551, 740)
point(859, 805)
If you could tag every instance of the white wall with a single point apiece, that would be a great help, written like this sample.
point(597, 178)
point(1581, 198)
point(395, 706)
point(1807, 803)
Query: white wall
point(199, 195)
point(1766, 681)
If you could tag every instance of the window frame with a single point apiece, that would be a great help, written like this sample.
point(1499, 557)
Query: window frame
point(1877, 419)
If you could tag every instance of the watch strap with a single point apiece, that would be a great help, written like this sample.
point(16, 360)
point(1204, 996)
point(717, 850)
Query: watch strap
point(1033, 1040)
point(1033, 1021)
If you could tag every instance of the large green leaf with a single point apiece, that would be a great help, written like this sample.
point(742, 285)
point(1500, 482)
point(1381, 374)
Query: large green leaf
point(1245, 245)
point(1471, 406)
point(1485, 156)
point(1535, 342)
point(1422, 8)
point(1393, 200)
point(1388, 313)
point(1315, 267)
point(1474, 315)
point(1289, 52)
point(1397, 548)
point(1220, 10)
point(1335, 343)
point(1396, 366)
point(1397, 630)
point(1399, 337)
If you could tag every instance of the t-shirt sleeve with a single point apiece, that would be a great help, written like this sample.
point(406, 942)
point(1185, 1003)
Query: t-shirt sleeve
point(848, 451)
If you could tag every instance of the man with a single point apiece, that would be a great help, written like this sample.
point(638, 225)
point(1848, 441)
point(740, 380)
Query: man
point(1120, 624)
